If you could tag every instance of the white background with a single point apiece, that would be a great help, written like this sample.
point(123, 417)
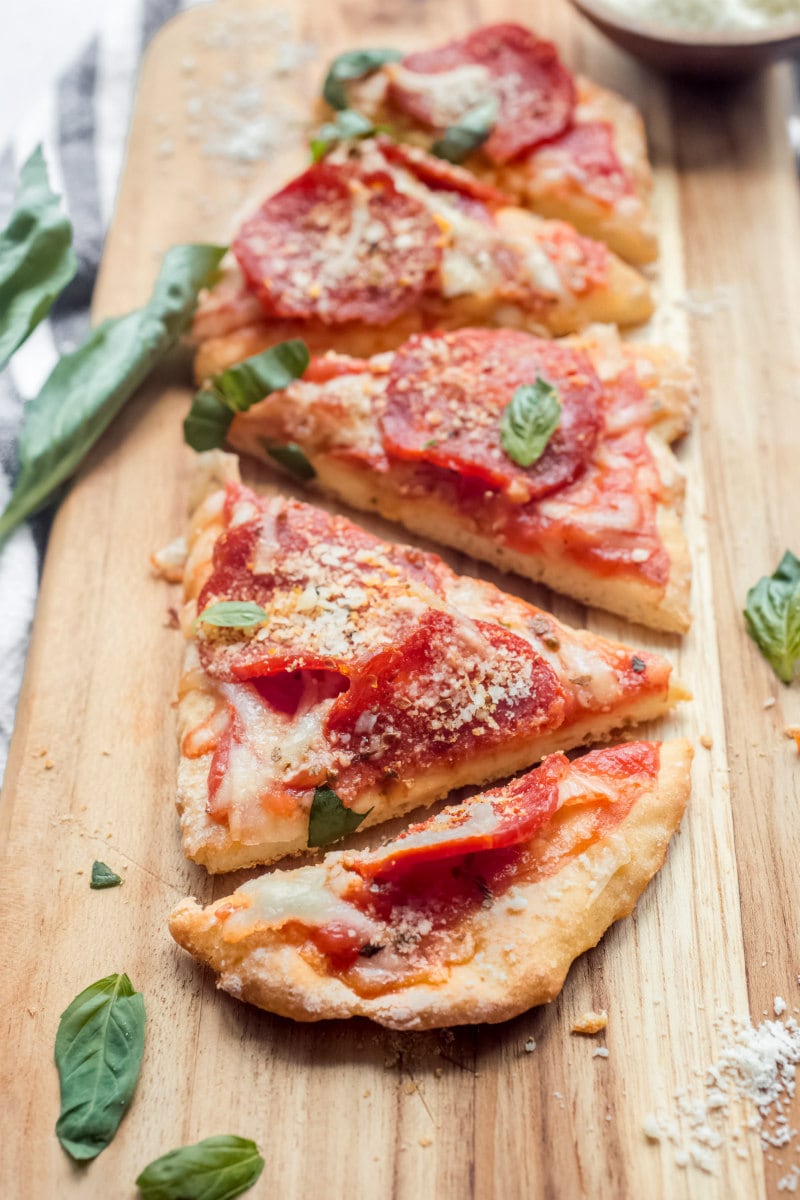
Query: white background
point(39, 38)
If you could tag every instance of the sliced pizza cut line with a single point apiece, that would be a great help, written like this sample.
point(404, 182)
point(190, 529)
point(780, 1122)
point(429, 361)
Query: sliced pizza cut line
point(418, 437)
point(563, 147)
point(472, 916)
point(377, 242)
point(376, 673)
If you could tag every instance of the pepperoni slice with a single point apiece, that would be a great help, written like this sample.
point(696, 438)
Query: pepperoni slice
point(340, 243)
point(451, 686)
point(440, 175)
point(536, 94)
point(332, 592)
point(589, 155)
point(446, 394)
point(504, 816)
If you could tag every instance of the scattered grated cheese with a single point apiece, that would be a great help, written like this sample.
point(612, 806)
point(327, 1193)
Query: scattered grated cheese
point(746, 1091)
point(705, 302)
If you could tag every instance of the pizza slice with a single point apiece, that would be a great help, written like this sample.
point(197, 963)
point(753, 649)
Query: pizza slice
point(474, 915)
point(379, 241)
point(422, 436)
point(501, 101)
point(334, 680)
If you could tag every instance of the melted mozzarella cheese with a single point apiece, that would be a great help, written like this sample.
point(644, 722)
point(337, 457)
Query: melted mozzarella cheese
point(448, 95)
point(302, 895)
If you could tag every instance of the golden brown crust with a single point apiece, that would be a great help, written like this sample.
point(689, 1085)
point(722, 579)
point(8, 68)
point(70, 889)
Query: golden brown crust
point(522, 950)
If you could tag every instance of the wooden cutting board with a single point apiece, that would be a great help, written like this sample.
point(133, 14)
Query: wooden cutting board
point(345, 1108)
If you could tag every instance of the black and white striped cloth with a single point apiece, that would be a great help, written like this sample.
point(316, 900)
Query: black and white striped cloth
point(82, 123)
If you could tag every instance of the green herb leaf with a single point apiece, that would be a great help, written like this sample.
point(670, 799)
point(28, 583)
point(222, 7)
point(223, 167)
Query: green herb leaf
point(347, 126)
point(772, 614)
point(217, 1168)
point(99, 1048)
point(529, 421)
point(103, 877)
point(239, 388)
point(329, 820)
point(468, 134)
point(87, 388)
point(291, 458)
point(233, 614)
point(353, 64)
point(36, 256)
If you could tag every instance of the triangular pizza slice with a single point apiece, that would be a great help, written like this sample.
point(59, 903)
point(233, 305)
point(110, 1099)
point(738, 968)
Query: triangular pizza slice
point(474, 915)
point(433, 435)
point(379, 241)
point(335, 680)
point(558, 144)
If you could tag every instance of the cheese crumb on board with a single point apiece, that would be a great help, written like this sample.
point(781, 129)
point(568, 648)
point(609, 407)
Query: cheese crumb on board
point(706, 741)
point(590, 1022)
point(746, 1094)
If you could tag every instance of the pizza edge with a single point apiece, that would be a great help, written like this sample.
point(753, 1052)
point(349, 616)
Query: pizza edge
point(527, 953)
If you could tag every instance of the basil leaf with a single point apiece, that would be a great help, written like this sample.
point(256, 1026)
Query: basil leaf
point(772, 614)
point(233, 614)
point(353, 64)
point(36, 256)
point(217, 1168)
point(529, 421)
point(103, 877)
point(87, 388)
point(347, 126)
point(329, 819)
point(468, 134)
point(291, 458)
point(99, 1048)
point(239, 388)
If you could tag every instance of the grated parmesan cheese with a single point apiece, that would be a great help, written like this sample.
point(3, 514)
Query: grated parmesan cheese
point(710, 14)
point(746, 1092)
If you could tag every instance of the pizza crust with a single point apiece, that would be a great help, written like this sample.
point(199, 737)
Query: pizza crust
point(523, 949)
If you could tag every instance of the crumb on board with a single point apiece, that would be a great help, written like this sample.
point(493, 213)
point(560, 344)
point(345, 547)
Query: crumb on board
point(770, 702)
point(590, 1022)
point(793, 731)
point(599, 1052)
point(706, 741)
point(530, 1046)
point(49, 764)
point(425, 1142)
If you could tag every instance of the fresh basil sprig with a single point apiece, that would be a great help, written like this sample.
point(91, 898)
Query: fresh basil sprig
point(469, 133)
point(36, 256)
point(87, 388)
point(348, 125)
point(772, 614)
point(103, 877)
point(353, 64)
point(233, 614)
point(239, 388)
point(98, 1053)
point(218, 1168)
point(329, 819)
point(529, 421)
point(291, 458)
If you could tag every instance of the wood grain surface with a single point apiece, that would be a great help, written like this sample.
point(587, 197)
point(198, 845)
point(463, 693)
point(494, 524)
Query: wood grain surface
point(344, 1108)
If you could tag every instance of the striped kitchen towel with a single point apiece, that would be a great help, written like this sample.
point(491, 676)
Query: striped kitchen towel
point(82, 123)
